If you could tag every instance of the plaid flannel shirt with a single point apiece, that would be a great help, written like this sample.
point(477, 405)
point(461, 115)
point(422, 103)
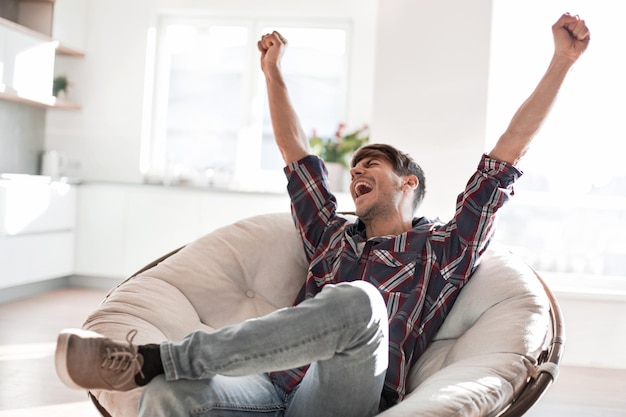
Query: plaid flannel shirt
point(419, 272)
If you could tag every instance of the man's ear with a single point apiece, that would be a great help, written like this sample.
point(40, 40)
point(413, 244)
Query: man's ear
point(410, 181)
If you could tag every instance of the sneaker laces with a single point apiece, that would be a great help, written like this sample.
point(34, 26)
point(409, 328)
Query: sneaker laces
point(124, 360)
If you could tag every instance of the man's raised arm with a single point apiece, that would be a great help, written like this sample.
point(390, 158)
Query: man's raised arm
point(290, 138)
point(571, 37)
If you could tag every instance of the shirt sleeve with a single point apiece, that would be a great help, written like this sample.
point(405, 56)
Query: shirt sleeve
point(313, 206)
point(459, 243)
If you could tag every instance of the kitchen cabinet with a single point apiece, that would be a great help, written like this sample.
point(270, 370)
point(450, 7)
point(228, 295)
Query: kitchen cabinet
point(25, 259)
point(37, 222)
point(122, 227)
point(28, 50)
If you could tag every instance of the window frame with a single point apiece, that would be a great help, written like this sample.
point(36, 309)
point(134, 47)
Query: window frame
point(249, 174)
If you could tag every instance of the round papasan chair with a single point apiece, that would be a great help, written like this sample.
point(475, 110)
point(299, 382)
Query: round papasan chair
point(495, 354)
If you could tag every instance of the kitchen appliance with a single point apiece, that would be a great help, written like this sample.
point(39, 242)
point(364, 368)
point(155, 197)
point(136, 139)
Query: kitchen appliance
point(52, 163)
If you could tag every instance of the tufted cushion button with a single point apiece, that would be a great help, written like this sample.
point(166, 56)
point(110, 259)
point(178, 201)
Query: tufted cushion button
point(250, 294)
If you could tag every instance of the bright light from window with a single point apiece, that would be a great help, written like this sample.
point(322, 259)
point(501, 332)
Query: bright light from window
point(21, 206)
point(32, 76)
point(570, 209)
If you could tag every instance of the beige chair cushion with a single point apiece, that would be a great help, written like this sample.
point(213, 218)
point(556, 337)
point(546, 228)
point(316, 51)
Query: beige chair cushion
point(477, 361)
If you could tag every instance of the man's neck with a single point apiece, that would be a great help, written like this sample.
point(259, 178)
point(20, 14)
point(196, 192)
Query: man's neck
point(391, 226)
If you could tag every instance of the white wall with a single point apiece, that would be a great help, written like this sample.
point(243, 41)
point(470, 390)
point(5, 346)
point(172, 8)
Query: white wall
point(595, 333)
point(430, 93)
point(109, 83)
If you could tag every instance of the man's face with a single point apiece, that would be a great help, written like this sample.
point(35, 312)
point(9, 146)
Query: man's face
point(375, 188)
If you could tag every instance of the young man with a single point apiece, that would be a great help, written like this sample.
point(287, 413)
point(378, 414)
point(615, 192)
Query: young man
point(377, 290)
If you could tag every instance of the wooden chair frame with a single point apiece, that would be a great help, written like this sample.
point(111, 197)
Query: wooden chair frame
point(537, 386)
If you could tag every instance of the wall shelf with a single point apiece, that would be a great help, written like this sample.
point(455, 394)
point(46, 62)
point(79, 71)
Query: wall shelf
point(61, 48)
point(65, 50)
point(7, 93)
point(21, 28)
point(51, 103)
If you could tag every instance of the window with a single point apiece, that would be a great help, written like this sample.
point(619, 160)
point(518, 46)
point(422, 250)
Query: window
point(211, 123)
point(570, 209)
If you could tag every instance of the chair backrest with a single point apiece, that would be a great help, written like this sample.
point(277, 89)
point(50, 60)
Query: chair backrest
point(491, 342)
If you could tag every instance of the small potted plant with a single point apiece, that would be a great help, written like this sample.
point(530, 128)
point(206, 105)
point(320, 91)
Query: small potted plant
point(336, 150)
point(59, 86)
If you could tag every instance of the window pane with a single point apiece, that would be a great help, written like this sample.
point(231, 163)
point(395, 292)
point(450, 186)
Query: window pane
point(211, 122)
point(314, 67)
point(207, 66)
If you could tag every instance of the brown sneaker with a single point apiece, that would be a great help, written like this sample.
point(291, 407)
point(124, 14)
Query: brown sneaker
point(89, 360)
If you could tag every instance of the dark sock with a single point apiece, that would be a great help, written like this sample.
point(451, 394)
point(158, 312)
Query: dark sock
point(152, 364)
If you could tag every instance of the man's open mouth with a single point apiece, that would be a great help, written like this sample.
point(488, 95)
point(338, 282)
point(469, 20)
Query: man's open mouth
point(361, 188)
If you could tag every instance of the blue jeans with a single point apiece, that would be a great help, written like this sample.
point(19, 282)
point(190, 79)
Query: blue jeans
point(342, 332)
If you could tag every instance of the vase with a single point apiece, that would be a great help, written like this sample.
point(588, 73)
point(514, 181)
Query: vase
point(336, 177)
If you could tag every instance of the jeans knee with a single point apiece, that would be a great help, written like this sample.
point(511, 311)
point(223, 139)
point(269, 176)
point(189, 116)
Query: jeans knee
point(360, 298)
point(159, 399)
point(152, 393)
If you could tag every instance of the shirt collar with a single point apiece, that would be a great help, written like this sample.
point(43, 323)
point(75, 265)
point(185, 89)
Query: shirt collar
point(357, 229)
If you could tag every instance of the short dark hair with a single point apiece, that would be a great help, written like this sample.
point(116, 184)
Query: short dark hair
point(402, 164)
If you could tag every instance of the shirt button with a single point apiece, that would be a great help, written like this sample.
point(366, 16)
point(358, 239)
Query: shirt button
point(250, 294)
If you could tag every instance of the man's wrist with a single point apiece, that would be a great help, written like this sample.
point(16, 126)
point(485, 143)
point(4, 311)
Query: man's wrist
point(272, 72)
point(564, 59)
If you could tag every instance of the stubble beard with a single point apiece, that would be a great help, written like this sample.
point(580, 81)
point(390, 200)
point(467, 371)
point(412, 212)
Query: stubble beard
point(381, 208)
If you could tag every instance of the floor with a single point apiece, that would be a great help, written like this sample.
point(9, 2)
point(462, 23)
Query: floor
point(28, 331)
point(29, 386)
